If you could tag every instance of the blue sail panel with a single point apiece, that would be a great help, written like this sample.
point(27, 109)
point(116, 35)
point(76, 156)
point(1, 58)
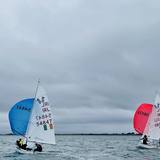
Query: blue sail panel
point(19, 116)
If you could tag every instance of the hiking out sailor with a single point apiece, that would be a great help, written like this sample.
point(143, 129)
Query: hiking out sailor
point(38, 147)
point(20, 143)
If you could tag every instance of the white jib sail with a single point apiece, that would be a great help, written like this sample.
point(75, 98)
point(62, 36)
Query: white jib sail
point(41, 126)
point(152, 129)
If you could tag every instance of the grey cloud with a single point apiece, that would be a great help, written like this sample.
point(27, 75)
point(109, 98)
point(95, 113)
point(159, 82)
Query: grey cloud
point(100, 56)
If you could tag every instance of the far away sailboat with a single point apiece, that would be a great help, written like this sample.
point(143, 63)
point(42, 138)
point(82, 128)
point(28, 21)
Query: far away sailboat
point(152, 129)
point(40, 129)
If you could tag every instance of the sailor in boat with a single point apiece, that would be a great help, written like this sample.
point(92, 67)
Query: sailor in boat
point(38, 148)
point(20, 143)
point(145, 139)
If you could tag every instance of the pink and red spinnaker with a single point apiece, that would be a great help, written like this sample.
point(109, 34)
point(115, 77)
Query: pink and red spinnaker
point(141, 117)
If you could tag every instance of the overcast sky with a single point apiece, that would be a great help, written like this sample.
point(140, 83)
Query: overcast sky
point(97, 59)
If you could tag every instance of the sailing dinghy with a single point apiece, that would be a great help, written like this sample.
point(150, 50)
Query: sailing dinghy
point(152, 129)
point(40, 129)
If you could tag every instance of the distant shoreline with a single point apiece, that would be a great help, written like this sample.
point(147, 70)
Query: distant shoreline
point(87, 134)
point(100, 134)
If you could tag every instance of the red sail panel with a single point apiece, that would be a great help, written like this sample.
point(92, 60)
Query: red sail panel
point(141, 117)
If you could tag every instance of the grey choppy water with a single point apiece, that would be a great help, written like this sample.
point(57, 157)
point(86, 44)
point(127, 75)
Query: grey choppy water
point(82, 148)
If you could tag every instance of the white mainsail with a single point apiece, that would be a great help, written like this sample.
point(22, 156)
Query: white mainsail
point(152, 129)
point(41, 126)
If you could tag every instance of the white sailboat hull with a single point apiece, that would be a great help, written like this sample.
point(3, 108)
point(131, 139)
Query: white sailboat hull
point(22, 151)
point(146, 146)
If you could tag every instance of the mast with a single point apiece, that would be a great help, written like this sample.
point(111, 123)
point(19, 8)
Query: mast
point(36, 89)
point(32, 106)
